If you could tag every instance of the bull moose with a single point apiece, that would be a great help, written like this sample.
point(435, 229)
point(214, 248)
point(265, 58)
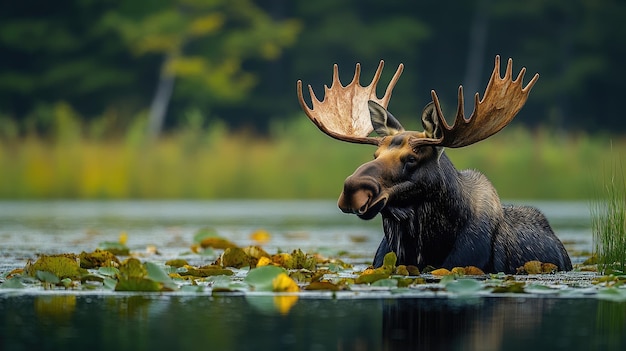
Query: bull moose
point(432, 213)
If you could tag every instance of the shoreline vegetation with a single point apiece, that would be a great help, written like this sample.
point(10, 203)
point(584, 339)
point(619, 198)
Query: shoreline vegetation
point(294, 161)
point(608, 223)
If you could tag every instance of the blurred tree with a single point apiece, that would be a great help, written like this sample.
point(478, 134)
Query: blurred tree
point(578, 48)
point(55, 51)
point(239, 60)
point(203, 44)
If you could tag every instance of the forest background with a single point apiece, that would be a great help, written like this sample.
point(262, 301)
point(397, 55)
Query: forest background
point(196, 98)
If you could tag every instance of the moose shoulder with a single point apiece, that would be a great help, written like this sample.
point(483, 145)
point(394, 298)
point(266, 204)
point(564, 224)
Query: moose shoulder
point(432, 213)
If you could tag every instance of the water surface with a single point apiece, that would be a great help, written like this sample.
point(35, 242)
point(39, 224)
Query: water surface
point(318, 321)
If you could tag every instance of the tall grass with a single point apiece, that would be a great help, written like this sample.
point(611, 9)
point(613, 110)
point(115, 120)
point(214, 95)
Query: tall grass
point(609, 224)
point(294, 161)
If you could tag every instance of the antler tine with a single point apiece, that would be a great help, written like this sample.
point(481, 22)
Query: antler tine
point(343, 113)
point(392, 84)
point(503, 99)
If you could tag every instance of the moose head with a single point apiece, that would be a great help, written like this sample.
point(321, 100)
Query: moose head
point(401, 169)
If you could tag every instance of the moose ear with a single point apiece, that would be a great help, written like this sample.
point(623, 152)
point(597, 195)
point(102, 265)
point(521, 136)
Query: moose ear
point(430, 121)
point(384, 123)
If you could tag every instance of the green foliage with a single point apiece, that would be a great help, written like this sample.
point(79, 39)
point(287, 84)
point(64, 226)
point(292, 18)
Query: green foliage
point(205, 43)
point(297, 162)
point(238, 59)
point(609, 223)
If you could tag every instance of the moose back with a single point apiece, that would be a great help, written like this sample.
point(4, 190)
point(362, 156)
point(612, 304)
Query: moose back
point(432, 213)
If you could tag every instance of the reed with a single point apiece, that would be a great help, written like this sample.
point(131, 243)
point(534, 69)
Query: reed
point(608, 219)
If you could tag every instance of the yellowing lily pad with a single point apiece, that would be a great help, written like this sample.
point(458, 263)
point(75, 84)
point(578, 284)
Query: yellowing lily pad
point(441, 272)
point(132, 268)
point(255, 252)
point(322, 286)
point(537, 267)
point(236, 257)
point(62, 266)
point(98, 258)
point(217, 243)
point(176, 263)
point(370, 278)
point(205, 271)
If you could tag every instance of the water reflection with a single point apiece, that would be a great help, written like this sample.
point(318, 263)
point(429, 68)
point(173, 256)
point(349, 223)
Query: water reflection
point(504, 324)
point(148, 322)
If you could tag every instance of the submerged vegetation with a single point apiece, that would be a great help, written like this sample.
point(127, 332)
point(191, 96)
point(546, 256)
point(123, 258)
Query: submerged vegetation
point(609, 223)
point(91, 160)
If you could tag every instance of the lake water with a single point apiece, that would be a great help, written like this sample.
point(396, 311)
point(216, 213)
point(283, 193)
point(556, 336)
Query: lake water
point(118, 321)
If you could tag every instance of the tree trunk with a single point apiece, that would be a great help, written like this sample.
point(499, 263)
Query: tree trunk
point(161, 100)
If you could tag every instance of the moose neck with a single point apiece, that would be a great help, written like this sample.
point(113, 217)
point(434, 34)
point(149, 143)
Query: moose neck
point(423, 231)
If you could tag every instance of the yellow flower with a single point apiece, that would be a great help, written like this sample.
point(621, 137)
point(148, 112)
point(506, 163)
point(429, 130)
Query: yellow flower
point(283, 283)
point(261, 236)
point(123, 238)
point(263, 261)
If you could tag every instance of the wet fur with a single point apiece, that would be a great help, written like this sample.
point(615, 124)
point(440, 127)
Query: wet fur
point(455, 219)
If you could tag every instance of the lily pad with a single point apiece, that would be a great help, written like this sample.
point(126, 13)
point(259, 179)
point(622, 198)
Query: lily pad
point(322, 286)
point(47, 277)
point(464, 286)
point(98, 258)
point(158, 275)
point(137, 284)
point(62, 266)
point(262, 278)
point(114, 247)
point(132, 268)
point(204, 233)
point(236, 257)
point(205, 271)
point(13, 283)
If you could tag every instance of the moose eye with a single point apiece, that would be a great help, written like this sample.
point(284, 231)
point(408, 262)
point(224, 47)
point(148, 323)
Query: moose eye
point(410, 162)
point(410, 159)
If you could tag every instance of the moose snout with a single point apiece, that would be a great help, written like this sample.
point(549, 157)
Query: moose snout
point(357, 194)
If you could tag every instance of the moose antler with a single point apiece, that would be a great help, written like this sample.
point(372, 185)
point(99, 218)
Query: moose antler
point(503, 99)
point(343, 114)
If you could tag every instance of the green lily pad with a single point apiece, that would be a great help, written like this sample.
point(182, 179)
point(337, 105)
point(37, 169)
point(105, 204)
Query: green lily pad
point(464, 286)
point(114, 247)
point(137, 284)
point(261, 279)
point(158, 275)
point(13, 283)
point(47, 277)
point(204, 233)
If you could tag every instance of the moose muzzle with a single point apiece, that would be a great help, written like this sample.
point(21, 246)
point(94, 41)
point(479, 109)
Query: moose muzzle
point(362, 196)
